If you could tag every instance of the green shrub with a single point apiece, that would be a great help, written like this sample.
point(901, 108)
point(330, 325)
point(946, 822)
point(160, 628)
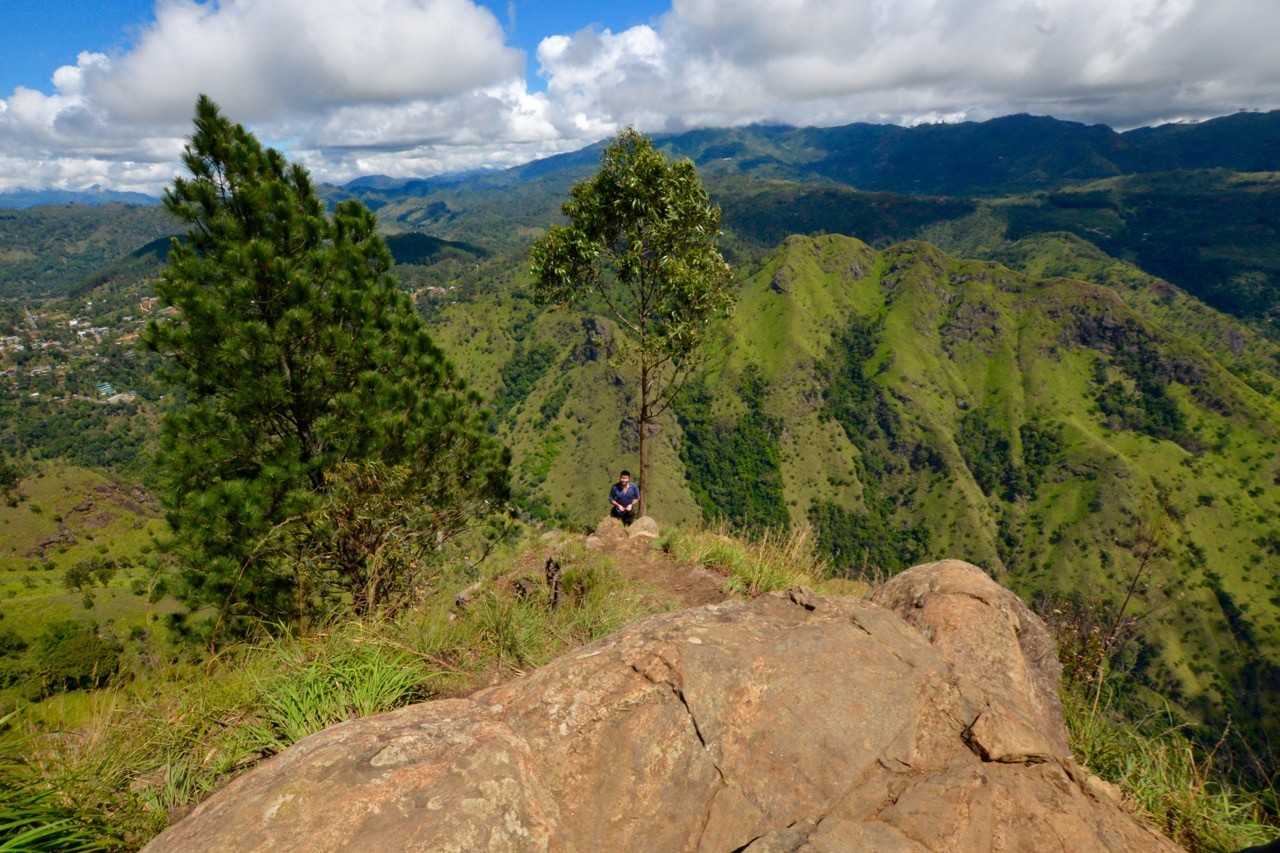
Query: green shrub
point(350, 679)
point(11, 644)
point(34, 815)
point(70, 656)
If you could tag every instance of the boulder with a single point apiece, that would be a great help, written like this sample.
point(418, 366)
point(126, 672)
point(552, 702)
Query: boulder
point(997, 646)
point(643, 527)
point(611, 529)
point(795, 722)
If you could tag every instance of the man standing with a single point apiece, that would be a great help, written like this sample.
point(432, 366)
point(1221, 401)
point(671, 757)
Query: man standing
point(624, 496)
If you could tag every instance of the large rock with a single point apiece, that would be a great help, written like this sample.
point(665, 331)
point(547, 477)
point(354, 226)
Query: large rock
point(644, 527)
point(797, 722)
point(998, 648)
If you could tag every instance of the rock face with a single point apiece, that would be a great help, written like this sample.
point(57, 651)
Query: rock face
point(923, 719)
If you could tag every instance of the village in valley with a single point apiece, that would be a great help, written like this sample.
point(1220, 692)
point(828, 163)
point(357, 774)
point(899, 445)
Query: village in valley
point(77, 349)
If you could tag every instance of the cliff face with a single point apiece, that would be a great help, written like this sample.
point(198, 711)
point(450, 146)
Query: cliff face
point(925, 718)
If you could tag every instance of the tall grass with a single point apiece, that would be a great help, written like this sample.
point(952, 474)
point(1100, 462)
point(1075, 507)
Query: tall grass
point(1164, 777)
point(32, 815)
point(754, 564)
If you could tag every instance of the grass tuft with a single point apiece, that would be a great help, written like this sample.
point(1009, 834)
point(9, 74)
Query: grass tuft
point(1158, 770)
point(768, 561)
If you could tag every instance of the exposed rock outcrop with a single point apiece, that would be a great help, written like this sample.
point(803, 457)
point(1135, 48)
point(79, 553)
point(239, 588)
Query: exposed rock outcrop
point(923, 719)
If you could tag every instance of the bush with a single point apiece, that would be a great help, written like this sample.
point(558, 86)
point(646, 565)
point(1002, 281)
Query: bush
point(11, 644)
point(70, 656)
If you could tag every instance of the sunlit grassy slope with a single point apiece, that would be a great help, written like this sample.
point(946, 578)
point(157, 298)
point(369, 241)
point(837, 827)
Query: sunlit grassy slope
point(97, 518)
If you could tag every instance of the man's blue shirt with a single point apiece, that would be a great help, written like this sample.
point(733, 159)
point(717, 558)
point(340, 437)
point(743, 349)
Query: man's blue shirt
point(626, 496)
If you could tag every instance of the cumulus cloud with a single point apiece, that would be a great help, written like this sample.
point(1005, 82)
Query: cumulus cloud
point(1125, 62)
point(416, 87)
point(260, 59)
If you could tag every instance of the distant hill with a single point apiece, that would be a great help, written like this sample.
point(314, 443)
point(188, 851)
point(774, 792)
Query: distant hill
point(1195, 203)
point(69, 250)
point(48, 251)
point(35, 198)
point(413, 247)
point(1198, 204)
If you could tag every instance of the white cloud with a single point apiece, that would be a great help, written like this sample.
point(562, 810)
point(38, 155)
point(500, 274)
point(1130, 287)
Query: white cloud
point(261, 59)
point(825, 61)
point(415, 87)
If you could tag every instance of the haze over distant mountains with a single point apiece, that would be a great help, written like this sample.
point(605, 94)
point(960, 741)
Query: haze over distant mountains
point(1012, 153)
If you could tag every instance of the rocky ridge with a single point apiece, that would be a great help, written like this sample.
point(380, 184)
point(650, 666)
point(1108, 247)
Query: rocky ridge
point(923, 718)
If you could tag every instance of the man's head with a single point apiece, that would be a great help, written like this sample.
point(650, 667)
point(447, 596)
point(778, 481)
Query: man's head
point(624, 478)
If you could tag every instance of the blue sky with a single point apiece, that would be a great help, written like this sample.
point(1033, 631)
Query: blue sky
point(38, 36)
point(100, 93)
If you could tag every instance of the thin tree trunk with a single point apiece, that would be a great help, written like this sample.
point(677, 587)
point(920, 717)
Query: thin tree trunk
point(644, 442)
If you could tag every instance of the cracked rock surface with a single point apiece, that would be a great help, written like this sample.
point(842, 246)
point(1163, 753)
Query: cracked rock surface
point(925, 718)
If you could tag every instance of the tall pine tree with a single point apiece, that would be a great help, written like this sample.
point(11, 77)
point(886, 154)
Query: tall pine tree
point(310, 397)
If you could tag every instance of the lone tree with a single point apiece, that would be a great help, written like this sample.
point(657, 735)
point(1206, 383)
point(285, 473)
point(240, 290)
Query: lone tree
point(642, 238)
point(310, 396)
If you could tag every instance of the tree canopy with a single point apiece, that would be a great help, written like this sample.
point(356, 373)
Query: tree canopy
point(303, 377)
point(642, 237)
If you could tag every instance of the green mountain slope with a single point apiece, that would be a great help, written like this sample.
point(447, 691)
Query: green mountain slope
point(914, 406)
point(1027, 425)
point(48, 251)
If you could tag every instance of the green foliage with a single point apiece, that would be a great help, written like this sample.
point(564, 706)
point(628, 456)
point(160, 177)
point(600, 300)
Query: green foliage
point(34, 815)
point(46, 251)
point(734, 469)
point(864, 539)
point(75, 431)
point(642, 238)
point(1170, 780)
point(1042, 447)
point(73, 656)
point(352, 681)
point(10, 478)
point(867, 543)
point(850, 395)
point(988, 451)
point(167, 740)
point(1142, 402)
point(371, 538)
point(989, 455)
point(296, 351)
point(84, 572)
point(520, 374)
point(11, 643)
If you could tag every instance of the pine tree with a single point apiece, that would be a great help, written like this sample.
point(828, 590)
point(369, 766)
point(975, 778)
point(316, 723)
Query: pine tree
point(642, 238)
point(299, 366)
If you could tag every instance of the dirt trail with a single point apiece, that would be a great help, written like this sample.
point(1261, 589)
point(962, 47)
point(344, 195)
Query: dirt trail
point(663, 579)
